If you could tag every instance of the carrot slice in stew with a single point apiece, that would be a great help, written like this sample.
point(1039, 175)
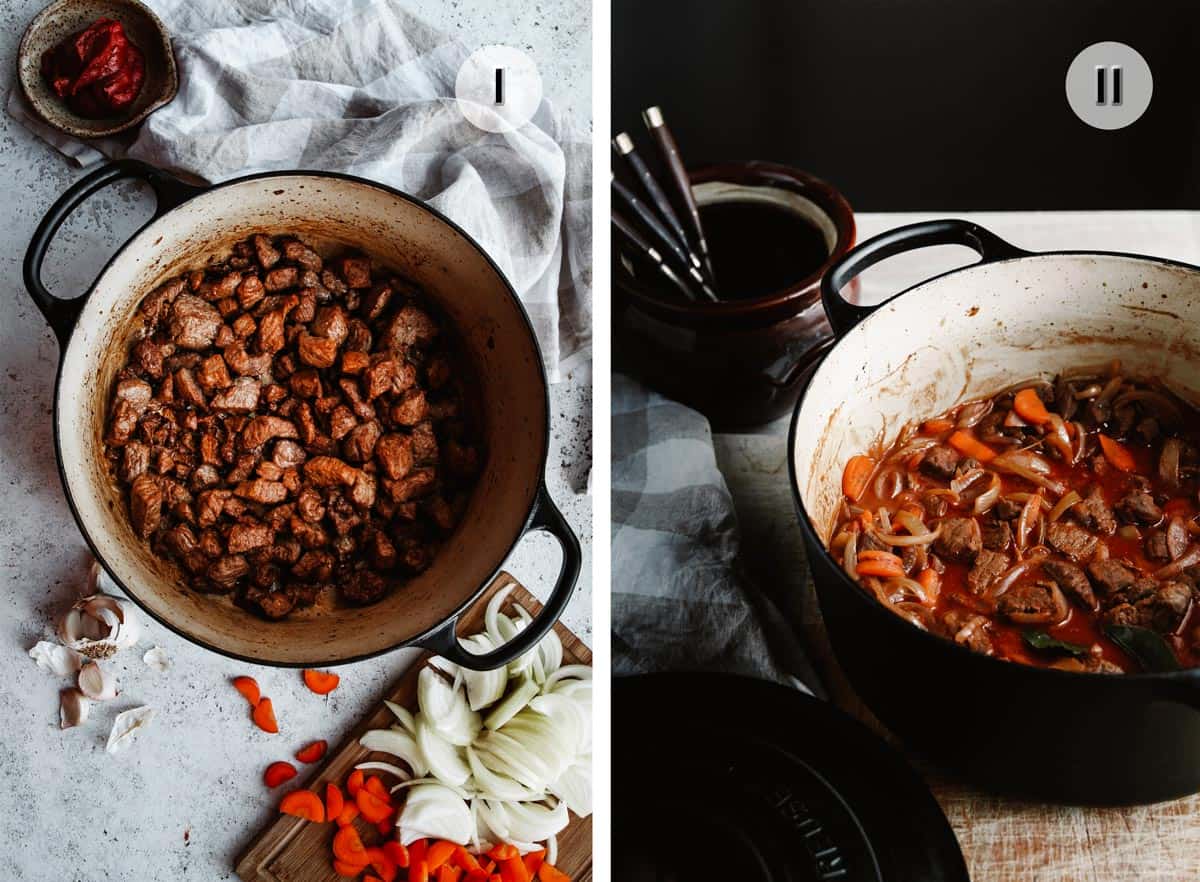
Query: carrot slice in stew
point(448, 873)
point(372, 879)
point(466, 860)
point(278, 772)
point(1030, 408)
point(418, 872)
point(503, 852)
point(348, 846)
point(303, 804)
point(248, 686)
point(349, 813)
point(344, 869)
point(534, 860)
point(371, 807)
point(855, 477)
point(548, 873)
point(514, 870)
point(375, 787)
point(968, 445)
point(936, 427)
point(1117, 454)
point(881, 568)
point(355, 782)
point(334, 801)
point(440, 852)
point(312, 753)
point(382, 864)
point(321, 682)
point(397, 852)
point(930, 581)
point(885, 556)
point(264, 716)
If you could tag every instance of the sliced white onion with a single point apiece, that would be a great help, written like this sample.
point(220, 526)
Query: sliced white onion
point(495, 786)
point(433, 811)
point(533, 822)
point(574, 786)
point(567, 672)
point(1190, 558)
point(483, 687)
point(385, 767)
point(404, 715)
point(446, 709)
point(399, 744)
point(444, 760)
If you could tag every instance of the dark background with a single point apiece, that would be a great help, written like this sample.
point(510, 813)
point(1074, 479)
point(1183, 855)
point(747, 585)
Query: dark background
point(917, 104)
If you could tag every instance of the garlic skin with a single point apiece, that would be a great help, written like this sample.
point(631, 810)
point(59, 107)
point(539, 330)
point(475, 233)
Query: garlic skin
point(127, 726)
point(73, 708)
point(157, 659)
point(97, 683)
point(55, 659)
point(99, 625)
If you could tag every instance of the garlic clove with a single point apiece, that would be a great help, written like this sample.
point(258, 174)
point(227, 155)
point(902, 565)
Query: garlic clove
point(99, 625)
point(157, 659)
point(73, 708)
point(55, 659)
point(127, 726)
point(97, 683)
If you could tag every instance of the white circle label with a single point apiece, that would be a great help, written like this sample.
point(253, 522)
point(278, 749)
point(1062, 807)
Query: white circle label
point(498, 88)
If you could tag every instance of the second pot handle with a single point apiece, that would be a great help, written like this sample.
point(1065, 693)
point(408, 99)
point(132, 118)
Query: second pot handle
point(61, 313)
point(844, 315)
point(546, 516)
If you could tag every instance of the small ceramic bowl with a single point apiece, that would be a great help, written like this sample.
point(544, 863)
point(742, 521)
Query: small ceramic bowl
point(65, 17)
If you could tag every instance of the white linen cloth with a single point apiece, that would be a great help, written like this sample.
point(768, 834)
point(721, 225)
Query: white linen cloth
point(367, 88)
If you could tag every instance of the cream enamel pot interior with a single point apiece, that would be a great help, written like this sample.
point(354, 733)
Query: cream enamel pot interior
point(1085, 738)
point(331, 212)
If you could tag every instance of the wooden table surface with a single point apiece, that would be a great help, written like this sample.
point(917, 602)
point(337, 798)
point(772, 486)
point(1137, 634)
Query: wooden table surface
point(1003, 840)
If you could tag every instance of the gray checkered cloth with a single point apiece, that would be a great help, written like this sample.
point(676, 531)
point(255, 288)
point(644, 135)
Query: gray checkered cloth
point(367, 88)
point(680, 600)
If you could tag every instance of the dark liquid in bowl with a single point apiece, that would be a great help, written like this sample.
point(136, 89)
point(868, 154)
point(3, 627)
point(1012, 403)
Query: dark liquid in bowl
point(758, 249)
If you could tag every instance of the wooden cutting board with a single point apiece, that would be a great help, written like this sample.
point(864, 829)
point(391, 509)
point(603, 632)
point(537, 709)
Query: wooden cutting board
point(293, 850)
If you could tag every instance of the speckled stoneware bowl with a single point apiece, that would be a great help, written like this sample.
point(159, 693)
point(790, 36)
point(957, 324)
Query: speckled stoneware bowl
point(65, 17)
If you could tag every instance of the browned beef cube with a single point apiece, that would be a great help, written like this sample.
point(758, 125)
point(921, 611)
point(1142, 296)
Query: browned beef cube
point(1139, 507)
point(378, 378)
point(364, 410)
point(1072, 581)
point(273, 604)
point(145, 504)
point(341, 421)
point(262, 429)
point(381, 551)
point(209, 506)
point(1006, 509)
point(148, 356)
point(376, 300)
point(250, 292)
point(1166, 608)
point(354, 363)
point(364, 586)
point(227, 570)
point(241, 397)
point(210, 449)
point(135, 461)
point(330, 321)
point(212, 375)
point(1075, 542)
point(940, 461)
point(328, 471)
point(320, 352)
point(359, 445)
point(188, 390)
point(997, 535)
point(395, 454)
point(265, 492)
point(960, 539)
point(306, 383)
point(356, 271)
point(415, 485)
point(1110, 576)
point(281, 278)
point(359, 337)
point(268, 254)
point(309, 505)
point(154, 305)
point(205, 476)
point(410, 326)
point(267, 470)
point(137, 392)
point(968, 629)
point(411, 409)
point(310, 535)
point(314, 566)
point(287, 454)
point(1037, 603)
point(462, 460)
point(244, 364)
point(1093, 512)
point(270, 331)
point(1122, 614)
point(300, 253)
point(194, 323)
point(989, 565)
point(180, 540)
point(244, 537)
point(424, 443)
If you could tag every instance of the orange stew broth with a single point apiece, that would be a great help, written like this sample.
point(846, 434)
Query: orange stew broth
point(1080, 626)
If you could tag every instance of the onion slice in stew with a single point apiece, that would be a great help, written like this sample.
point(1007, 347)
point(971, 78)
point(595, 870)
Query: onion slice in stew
point(1028, 466)
point(996, 590)
point(1168, 462)
point(1063, 504)
point(989, 497)
point(921, 539)
point(1190, 558)
point(1029, 513)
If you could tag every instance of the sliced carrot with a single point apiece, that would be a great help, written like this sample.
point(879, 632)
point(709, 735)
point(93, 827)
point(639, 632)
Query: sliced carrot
point(418, 872)
point(278, 772)
point(534, 860)
point(248, 686)
point(375, 787)
point(334, 801)
point(348, 846)
point(371, 807)
point(936, 426)
point(372, 879)
point(303, 804)
point(856, 475)
point(416, 851)
point(885, 556)
point(548, 873)
point(1117, 454)
point(1030, 408)
point(440, 852)
point(447, 873)
point(385, 826)
point(503, 852)
point(321, 682)
point(264, 716)
point(382, 864)
point(476, 876)
point(966, 444)
point(513, 870)
point(344, 869)
point(355, 782)
point(397, 852)
point(930, 581)
point(348, 814)
point(466, 860)
point(881, 568)
point(312, 753)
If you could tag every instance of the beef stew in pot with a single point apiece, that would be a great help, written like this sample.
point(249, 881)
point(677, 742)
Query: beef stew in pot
point(1053, 524)
point(288, 425)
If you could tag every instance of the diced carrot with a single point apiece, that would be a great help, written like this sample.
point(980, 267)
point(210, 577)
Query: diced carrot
point(372, 879)
point(881, 568)
point(348, 846)
point(344, 869)
point(371, 807)
point(264, 716)
point(278, 772)
point(248, 686)
point(397, 852)
point(885, 556)
point(385, 826)
point(439, 853)
point(513, 870)
point(375, 787)
point(489, 867)
point(355, 782)
point(448, 873)
point(548, 873)
point(866, 518)
point(936, 426)
point(334, 801)
point(349, 813)
point(503, 852)
point(856, 475)
point(534, 860)
point(466, 860)
point(416, 850)
point(1117, 454)
point(966, 444)
point(321, 682)
point(495, 877)
point(303, 804)
point(313, 752)
point(382, 864)
point(930, 581)
point(1030, 408)
point(418, 872)
point(476, 876)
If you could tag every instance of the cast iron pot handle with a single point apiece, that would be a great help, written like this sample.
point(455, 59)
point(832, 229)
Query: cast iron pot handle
point(844, 315)
point(168, 191)
point(444, 641)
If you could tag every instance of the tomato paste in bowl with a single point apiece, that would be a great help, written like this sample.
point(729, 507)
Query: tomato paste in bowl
point(98, 70)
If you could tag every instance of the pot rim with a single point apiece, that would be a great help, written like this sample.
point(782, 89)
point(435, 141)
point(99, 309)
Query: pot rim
point(1189, 675)
point(539, 489)
point(801, 292)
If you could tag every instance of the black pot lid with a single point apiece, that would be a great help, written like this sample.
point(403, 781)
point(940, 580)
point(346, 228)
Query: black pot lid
point(740, 780)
